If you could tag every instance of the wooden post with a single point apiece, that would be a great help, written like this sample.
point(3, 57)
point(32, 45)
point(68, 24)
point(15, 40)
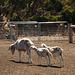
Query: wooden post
point(39, 26)
point(11, 32)
point(70, 34)
point(16, 32)
point(23, 31)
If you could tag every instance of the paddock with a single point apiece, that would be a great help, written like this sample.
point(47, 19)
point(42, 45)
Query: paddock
point(9, 64)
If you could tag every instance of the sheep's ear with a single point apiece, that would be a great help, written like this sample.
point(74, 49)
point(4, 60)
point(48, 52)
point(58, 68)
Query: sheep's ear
point(10, 47)
point(57, 48)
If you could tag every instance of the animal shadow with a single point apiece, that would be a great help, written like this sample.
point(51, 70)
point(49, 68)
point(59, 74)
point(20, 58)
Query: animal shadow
point(55, 66)
point(46, 66)
point(39, 65)
point(19, 62)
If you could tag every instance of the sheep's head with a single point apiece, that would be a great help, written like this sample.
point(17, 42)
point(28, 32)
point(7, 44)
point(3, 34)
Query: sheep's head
point(12, 48)
point(32, 47)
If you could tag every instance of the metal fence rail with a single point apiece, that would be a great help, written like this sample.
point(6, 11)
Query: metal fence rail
point(43, 31)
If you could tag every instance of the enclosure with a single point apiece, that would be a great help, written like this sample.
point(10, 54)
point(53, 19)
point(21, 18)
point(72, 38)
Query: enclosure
point(44, 31)
point(52, 34)
point(9, 64)
point(37, 31)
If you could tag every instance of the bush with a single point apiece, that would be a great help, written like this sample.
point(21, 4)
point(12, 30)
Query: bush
point(39, 19)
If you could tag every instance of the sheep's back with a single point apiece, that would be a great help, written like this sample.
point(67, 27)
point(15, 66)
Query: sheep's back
point(23, 44)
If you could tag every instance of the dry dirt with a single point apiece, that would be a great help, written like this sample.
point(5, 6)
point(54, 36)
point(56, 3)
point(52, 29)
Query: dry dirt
point(9, 64)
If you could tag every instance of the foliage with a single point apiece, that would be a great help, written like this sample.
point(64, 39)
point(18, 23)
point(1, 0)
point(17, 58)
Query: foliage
point(39, 10)
point(39, 19)
point(67, 13)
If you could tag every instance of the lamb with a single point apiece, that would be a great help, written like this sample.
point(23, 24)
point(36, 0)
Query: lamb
point(42, 52)
point(23, 44)
point(56, 51)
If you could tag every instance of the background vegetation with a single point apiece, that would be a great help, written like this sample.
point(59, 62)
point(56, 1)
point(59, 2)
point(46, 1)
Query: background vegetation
point(39, 10)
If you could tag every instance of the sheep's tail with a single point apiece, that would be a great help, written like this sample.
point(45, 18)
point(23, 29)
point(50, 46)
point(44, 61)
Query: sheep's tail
point(44, 45)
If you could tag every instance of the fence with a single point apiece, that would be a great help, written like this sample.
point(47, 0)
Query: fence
point(39, 31)
point(72, 31)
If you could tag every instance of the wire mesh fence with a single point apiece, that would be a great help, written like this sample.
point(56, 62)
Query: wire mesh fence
point(46, 32)
point(42, 31)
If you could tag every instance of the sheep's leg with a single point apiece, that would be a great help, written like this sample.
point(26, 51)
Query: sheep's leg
point(46, 60)
point(59, 60)
point(29, 57)
point(19, 56)
point(62, 56)
point(49, 59)
point(62, 59)
point(38, 59)
point(28, 60)
point(39, 62)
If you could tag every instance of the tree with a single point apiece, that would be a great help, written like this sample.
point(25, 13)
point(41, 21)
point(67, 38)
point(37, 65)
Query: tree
point(51, 10)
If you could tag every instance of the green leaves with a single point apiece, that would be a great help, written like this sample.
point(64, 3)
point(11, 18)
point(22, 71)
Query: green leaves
point(67, 13)
point(39, 10)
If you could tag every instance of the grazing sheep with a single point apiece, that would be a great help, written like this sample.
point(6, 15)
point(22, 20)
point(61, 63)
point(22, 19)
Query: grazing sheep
point(56, 51)
point(42, 52)
point(23, 44)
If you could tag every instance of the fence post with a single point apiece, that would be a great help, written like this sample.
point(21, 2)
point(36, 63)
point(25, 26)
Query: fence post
point(39, 26)
point(16, 32)
point(11, 32)
point(70, 34)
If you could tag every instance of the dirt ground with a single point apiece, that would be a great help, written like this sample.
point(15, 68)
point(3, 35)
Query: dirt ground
point(9, 64)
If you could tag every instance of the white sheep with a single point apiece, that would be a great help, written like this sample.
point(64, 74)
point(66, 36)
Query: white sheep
point(42, 52)
point(23, 44)
point(56, 51)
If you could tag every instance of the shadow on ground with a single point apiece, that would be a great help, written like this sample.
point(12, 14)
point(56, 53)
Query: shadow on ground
point(19, 62)
point(45, 66)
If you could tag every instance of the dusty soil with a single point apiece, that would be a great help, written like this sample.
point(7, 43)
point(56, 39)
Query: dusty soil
point(9, 64)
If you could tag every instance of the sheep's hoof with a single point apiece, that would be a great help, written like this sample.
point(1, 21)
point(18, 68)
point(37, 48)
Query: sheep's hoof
point(27, 62)
point(62, 66)
point(19, 61)
point(39, 64)
point(30, 62)
point(50, 65)
point(47, 65)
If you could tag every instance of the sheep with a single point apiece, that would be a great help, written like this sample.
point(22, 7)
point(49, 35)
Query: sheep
point(56, 51)
point(42, 52)
point(22, 45)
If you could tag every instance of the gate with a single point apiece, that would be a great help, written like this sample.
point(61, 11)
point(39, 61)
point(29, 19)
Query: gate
point(44, 31)
point(39, 31)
